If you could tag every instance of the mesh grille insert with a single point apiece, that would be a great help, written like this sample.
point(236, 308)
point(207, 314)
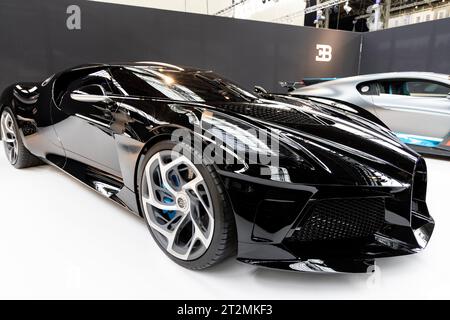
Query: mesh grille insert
point(289, 117)
point(341, 219)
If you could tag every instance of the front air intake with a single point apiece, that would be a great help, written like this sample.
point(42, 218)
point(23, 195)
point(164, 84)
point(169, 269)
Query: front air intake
point(420, 181)
point(339, 219)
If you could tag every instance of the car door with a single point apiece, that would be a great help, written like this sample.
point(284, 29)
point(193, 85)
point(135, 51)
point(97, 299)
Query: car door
point(85, 132)
point(416, 108)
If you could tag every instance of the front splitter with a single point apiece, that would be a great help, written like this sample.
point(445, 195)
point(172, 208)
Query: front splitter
point(317, 265)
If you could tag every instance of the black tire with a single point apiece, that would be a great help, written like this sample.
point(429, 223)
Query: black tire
point(223, 243)
point(24, 158)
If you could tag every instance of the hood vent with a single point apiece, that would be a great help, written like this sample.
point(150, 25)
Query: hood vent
point(274, 114)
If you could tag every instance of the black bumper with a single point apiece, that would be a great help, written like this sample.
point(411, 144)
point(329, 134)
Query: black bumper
point(346, 256)
point(331, 228)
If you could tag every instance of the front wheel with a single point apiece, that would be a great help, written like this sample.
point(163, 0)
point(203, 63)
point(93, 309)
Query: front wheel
point(185, 207)
point(16, 152)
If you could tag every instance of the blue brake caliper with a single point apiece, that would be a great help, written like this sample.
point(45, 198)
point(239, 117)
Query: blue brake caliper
point(171, 213)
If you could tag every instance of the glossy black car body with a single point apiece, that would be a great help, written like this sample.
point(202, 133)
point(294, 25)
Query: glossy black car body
point(346, 190)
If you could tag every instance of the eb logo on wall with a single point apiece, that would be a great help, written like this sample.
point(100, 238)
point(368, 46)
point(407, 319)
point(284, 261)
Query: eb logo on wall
point(324, 53)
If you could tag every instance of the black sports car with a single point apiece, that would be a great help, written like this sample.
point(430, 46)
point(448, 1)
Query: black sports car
point(287, 182)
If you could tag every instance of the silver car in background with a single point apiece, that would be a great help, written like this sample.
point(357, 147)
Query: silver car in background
point(414, 105)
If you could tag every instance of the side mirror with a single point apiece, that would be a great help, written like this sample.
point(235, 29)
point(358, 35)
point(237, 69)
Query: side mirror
point(448, 95)
point(260, 90)
point(90, 93)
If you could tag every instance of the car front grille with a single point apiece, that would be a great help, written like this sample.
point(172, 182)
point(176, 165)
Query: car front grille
point(339, 219)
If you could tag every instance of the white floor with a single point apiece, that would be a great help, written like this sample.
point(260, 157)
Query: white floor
point(60, 240)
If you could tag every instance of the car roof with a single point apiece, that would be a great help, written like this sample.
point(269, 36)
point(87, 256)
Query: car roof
point(149, 64)
point(405, 75)
point(445, 78)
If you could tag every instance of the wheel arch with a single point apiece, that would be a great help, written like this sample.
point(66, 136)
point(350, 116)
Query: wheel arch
point(154, 139)
point(165, 134)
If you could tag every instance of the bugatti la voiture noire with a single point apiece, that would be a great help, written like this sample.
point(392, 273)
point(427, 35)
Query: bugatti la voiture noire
point(415, 105)
point(324, 189)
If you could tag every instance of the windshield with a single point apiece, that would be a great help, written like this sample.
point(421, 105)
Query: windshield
point(197, 86)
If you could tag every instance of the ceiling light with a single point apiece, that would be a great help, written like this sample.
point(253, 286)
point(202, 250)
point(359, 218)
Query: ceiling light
point(319, 17)
point(347, 8)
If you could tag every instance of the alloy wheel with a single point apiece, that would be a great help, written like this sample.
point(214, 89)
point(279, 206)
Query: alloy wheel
point(177, 205)
point(9, 137)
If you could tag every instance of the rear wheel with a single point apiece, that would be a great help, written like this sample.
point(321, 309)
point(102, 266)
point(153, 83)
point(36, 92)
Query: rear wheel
point(185, 207)
point(15, 150)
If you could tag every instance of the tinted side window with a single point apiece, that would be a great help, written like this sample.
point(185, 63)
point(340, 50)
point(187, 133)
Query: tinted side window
point(91, 89)
point(74, 80)
point(62, 83)
point(396, 87)
point(415, 88)
point(101, 78)
point(132, 85)
point(427, 88)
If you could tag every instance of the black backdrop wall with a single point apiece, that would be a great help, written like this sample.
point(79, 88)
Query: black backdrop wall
point(35, 42)
point(419, 47)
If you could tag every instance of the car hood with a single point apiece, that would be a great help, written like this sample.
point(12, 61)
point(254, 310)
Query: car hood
point(328, 145)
